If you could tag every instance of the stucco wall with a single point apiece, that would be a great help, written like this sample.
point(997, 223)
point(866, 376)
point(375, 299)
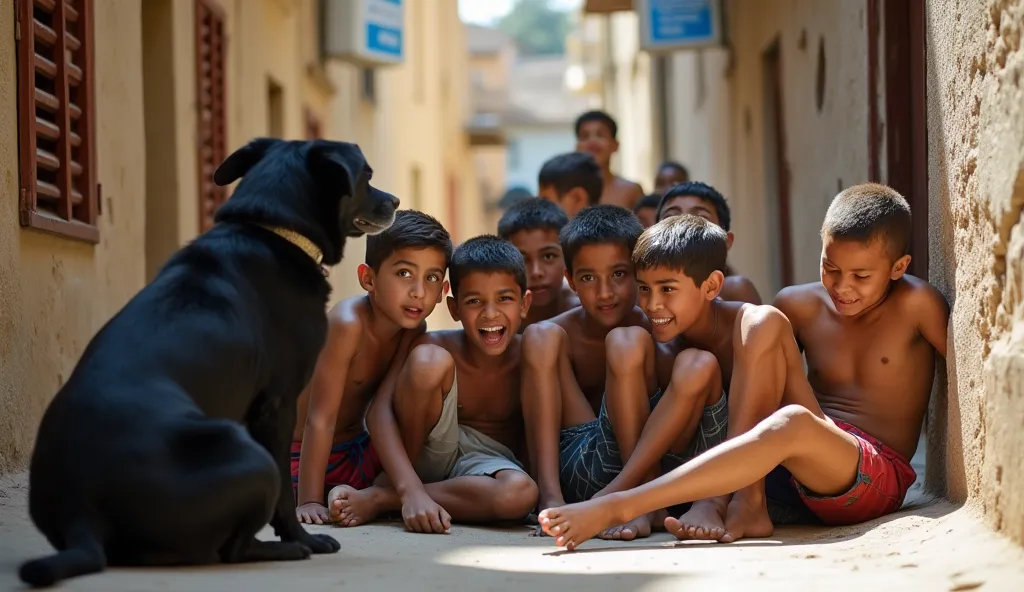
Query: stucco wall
point(54, 292)
point(976, 182)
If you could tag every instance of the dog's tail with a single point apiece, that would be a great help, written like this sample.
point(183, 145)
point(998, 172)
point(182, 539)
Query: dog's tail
point(83, 555)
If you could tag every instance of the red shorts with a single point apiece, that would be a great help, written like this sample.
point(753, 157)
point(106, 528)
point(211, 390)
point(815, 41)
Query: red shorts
point(883, 478)
point(354, 463)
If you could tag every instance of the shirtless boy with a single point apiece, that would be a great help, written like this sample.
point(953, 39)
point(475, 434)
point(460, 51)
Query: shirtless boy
point(647, 209)
point(404, 280)
point(571, 180)
point(670, 174)
point(455, 408)
point(700, 199)
point(579, 436)
point(596, 133)
point(532, 226)
point(845, 431)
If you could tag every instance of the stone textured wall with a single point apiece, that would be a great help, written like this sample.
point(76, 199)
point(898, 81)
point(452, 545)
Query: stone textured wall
point(976, 179)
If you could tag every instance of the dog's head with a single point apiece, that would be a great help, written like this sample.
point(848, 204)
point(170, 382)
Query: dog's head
point(320, 189)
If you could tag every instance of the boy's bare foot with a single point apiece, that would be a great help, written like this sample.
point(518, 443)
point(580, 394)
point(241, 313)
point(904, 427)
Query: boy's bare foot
point(353, 507)
point(573, 524)
point(703, 521)
point(744, 519)
point(544, 505)
point(637, 528)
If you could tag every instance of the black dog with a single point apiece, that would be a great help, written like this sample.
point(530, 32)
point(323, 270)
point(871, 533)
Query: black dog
point(142, 457)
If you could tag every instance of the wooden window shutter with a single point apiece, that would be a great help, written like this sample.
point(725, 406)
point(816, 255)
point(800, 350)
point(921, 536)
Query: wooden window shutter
point(56, 117)
point(211, 52)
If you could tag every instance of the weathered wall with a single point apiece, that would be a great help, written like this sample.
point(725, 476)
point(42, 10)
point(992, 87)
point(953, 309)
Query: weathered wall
point(55, 293)
point(976, 182)
point(718, 124)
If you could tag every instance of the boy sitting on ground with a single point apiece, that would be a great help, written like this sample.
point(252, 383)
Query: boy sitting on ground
point(581, 432)
point(404, 280)
point(596, 133)
point(700, 199)
point(571, 180)
point(646, 210)
point(448, 431)
point(532, 226)
point(670, 174)
point(844, 432)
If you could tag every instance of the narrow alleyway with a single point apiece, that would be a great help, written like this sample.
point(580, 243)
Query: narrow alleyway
point(929, 545)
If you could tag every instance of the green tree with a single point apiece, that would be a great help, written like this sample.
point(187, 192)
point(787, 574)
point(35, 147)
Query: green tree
point(537, 28)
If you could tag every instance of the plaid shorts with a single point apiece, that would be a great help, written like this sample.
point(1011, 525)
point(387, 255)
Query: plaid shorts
point(589, 456)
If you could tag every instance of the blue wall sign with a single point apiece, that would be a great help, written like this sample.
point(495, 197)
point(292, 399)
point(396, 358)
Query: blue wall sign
point(365, 32)
point(667, 25)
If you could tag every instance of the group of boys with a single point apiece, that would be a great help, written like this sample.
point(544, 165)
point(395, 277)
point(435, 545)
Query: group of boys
point(605, 374)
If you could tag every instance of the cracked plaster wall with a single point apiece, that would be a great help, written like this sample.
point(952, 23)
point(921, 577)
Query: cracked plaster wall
point(976, 180)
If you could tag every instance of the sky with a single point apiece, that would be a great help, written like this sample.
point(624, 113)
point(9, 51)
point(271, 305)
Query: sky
point(483, 12)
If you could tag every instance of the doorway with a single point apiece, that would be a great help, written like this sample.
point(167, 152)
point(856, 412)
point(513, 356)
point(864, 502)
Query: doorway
point(776, 166)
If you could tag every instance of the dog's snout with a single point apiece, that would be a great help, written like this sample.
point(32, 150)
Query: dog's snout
point(395, 202)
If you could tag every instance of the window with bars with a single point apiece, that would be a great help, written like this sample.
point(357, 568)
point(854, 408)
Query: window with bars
point(211, 52)
point(56, 117)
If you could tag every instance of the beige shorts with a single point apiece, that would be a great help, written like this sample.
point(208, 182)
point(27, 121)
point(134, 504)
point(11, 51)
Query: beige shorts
point(453, 450)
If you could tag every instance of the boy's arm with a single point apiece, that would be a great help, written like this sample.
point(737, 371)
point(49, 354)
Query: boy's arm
point(326, 390)
point(933, 316)
point(792, 302)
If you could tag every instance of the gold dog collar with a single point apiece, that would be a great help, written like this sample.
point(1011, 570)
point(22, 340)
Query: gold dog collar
point(299, 241)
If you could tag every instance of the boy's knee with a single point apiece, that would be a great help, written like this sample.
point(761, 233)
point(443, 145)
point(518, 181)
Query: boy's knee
point(764, 327)
point(790, 422)
point(542, 343)
point(428, 365)
point(517, 496)
point(695, 365)
point(626, 346)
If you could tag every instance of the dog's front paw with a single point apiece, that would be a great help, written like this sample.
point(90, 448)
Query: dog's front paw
point(321, 543)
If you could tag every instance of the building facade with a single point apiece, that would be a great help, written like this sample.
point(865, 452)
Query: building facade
point(107, 157)
point(807, 97)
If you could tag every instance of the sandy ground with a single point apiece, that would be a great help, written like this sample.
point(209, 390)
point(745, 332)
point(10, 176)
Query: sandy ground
point(929, 545)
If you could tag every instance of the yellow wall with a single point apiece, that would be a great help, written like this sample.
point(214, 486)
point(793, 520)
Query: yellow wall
point(54, 292)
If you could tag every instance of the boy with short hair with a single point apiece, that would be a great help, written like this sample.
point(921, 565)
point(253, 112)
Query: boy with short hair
point(670, 173)
point(701, 199)
point(448, 430)
point(647, 210)
point(571, 180)
point(533, 225)
point(404, 279)
point(596, 133)
point(581, 430)
point(846, 430)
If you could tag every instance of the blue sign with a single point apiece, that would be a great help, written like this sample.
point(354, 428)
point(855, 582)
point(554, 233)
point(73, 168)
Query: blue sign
point(667, 25)
point(364, 32)
point(384, 27)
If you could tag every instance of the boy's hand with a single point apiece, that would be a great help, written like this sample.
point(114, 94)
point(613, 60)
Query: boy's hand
point(422, 514)
point(313, 513)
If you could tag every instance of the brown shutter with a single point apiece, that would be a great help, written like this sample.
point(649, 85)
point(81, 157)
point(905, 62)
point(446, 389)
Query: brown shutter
point(211, 51)
point(56, 117)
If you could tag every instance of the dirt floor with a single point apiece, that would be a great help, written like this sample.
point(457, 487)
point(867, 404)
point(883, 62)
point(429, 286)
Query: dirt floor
point(929, 545)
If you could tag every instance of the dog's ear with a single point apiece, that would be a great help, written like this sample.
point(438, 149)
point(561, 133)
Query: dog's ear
point(243, 159)
point(339, 158)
